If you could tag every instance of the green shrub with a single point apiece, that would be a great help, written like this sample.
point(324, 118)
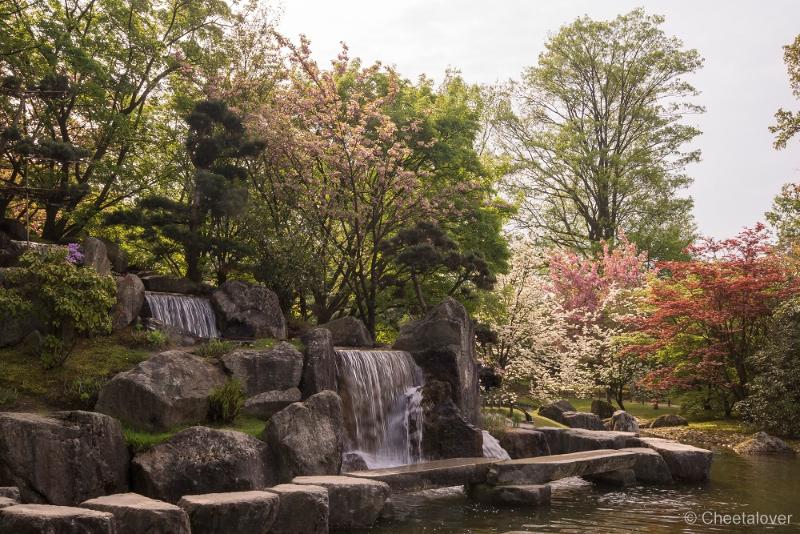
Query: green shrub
point(214, 348)
point(225, 402)
point(83, 392)
point(152, 339)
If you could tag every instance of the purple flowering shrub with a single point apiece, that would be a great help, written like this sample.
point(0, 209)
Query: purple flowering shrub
point(74, 254)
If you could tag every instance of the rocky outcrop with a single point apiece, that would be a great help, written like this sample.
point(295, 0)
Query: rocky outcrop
point(585, 420)
point(622, 421)
point(319, 368)
point(117, 257)
point(137, 514)
point(303, 509)
point(348, 332)
point(166, 391)
point(524, 443)
point(306, 438)
point(224, 513)
point(602, 408)
point(64, 458)
point(353, 502)
point(446, 433)
point(202, 460)
point(247, 311)
point(47, 519)
point(443, 345)
point(96, 256)
point(277, 368)
point(762, 443)
point(265, 405)
point(555, 410)
point(130, 298)
point(668, 420)
point(686, 463)
point(353, 461)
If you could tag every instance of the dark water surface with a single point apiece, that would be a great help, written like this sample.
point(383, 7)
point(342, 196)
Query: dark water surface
point(738, 485)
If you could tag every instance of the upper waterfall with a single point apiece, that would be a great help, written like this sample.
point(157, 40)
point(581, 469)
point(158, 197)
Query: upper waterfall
point(381, 399)
point(188, 313)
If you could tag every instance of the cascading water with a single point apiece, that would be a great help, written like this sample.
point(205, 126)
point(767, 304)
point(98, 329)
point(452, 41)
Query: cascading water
point(380, 391)
point(186, 312)
point(492, 447)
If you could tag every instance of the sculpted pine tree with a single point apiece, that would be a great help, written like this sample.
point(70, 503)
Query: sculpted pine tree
point(596, 136)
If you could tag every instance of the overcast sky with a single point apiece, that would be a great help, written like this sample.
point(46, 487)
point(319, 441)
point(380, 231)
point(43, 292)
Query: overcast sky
point(743, 82)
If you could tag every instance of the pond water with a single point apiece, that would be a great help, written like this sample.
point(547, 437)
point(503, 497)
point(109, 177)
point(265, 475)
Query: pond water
point(737, 485)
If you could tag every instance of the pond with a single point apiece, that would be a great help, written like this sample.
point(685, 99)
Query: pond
point(737, 485)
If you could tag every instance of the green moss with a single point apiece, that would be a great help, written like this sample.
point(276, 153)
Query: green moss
point(269, 342)
point(140, 441)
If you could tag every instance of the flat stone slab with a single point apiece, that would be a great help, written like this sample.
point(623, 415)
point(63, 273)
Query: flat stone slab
point(436, 474)
point(686, 463)
point(134, 514)
point(243, 512)
point(511, 495)
point(303, 509)
point(548, 468)
point(46, 518)
point(353, 502)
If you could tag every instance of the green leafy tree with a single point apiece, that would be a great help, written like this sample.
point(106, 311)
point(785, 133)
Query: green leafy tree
point(788, 122)
point(785, 216)
point(596, 136)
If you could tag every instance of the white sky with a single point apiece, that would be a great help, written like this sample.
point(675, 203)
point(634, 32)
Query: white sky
point(743, 82)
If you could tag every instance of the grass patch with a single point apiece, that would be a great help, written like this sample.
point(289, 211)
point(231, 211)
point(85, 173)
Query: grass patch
point(141, 441)
point(269, 342)
point(215, 348)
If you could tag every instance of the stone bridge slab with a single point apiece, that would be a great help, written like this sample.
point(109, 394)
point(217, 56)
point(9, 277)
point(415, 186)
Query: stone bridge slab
point(544, 469)
point(436, 474)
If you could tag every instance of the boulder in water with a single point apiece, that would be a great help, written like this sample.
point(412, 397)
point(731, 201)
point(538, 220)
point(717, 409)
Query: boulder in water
point(48, 519)
point(622, 421)
point(64, 458)
point(239, 511)
point(445, 431)
point(353, 502)
point(265, 405)
point(686, 463)
point(348, 332)
point(524, 443)
point(130, 298)
point(555, 410)
point(202, 460)
point(306, 438)
point(669, 419)
point(96, 256)
point(585, 420)
point(248, 311)
point(763, 443)
point(443, 345)
point(319, 367)
point(276, 368)
point(602, 408)
point(650, 466)
point(137, 514)
point(303, 509)
point(168, 390)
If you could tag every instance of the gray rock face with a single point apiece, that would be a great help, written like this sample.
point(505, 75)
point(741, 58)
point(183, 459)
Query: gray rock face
point(686, 463)
point(137, 514)
point(202, 460)
point(117, 257)
point(585, 420)
point(10, 492)
point(443, 345)
point(174, 284)
point(353, 461)
point(303, 509)
point(511, 495)
point(319, 369)
point(349, 332)
point(524, 443)
point(247, 311)
point(245, 512)
point(763, 443)
point(669, 420)
point(306, 438)
point(568, 440)
point(650, 467)
point(602, 408)
point(276, 368)
point(354, 502)
point(130, 298)
point(555, 410)
point(622, 421)
point(47, 519)
point(445, 431)
point(64, 458)
point(168, 390)
point(15, 329)
point(96, 256)
point(265, 405)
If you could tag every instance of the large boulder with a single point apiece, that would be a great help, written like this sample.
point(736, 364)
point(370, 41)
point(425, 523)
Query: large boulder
point(445, 431)
point(15, 329)
point(602, 408)
point(555, 410)
point(686, 463)
point(48, 519)
point(117, 257)
point(265, 405)
point(247, 311)
point(319, 368)
point(622, 421)
point(303, 509)
point(168, 390)
point(130, 298)
point(763, 443)
point(568, 440)
point(202, 460)
point(524, 443)
point(354, 502)
point(443, 345)
point(137, 514)
point(172, 284)
point(96, 256)
point(276, 368)
point(243, 512)
point(64, 458)
point(349, 332)
point(650, 466)
point(585, 420)
point(306, 438)
point(669, 419)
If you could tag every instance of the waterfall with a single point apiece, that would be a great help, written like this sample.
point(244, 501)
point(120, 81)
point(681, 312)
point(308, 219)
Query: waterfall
point(492, 447)
point(381, 395)
point(187, 313)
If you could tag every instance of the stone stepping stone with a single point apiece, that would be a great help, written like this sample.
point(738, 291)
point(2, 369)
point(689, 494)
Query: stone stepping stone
point(353, 502)
point(303, 509)
point(242, 512)
point(686, 463)
point(512, 495)
point(135, 514)
point(39, 518)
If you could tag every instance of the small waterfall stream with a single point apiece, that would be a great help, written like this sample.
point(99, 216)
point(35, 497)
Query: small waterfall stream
point(380, 391)
point(188, 313)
